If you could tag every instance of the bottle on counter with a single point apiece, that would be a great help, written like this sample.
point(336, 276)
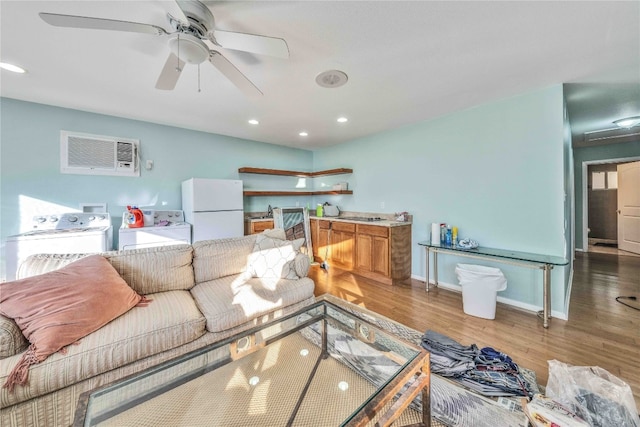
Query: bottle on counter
point(443, 234)
point(319, 212)
point(454, 236)
point(448, 236)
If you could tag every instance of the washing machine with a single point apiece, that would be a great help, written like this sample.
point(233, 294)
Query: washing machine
point(75, 232)
point(168, 228)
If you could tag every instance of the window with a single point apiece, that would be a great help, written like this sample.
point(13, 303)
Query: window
point(604, 180)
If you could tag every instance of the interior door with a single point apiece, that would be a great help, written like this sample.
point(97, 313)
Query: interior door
point(629, 207)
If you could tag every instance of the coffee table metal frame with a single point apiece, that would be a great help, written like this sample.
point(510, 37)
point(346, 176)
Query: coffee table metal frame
point(412, 380)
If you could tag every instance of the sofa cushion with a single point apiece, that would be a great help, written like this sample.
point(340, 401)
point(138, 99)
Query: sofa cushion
point(169, 321)
point(44, 263)
point(233, 300)
point(274, 258)
point(11, 339)
point(221, 257)
point(157, 269)
point(56, 309)
point(148, 270)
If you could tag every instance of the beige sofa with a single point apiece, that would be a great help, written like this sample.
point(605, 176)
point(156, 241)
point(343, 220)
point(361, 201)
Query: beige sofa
point(200, 294)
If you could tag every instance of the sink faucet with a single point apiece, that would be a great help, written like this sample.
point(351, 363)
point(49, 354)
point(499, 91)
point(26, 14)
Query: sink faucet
point(270, 211)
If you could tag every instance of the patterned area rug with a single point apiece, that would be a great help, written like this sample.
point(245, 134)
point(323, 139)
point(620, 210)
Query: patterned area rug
point(451, 405)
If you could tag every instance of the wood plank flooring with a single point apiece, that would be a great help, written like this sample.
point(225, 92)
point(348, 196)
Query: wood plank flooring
point(599, 332)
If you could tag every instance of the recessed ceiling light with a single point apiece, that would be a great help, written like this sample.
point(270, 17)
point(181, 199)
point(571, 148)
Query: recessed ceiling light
point(11, 67)
point(254, 122)
point(342, 120)
point(332, 78)
point(303, 133)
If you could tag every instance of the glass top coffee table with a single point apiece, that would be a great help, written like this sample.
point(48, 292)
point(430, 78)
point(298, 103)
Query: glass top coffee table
point(320, 366)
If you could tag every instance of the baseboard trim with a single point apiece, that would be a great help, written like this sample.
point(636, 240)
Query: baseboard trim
point(519, 304)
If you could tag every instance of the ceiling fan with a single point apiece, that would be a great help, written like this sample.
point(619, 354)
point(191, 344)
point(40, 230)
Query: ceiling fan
point(187, 42)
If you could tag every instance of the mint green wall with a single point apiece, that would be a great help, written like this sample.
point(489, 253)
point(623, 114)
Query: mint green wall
point(495, 171)
point(32, 182)
point(589, 154)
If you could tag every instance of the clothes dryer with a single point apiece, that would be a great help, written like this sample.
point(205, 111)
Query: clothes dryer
point(168, 228)
point(74, 232)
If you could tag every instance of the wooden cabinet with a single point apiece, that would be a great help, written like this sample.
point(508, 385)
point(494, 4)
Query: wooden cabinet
point(372, 249)
point(255, 227)
point(379, 252)
point(342, 244)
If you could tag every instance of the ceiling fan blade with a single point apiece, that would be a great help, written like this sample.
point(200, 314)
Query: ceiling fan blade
point(233, 74)
point(72, 21)
point(170, 73)
point(254, 43)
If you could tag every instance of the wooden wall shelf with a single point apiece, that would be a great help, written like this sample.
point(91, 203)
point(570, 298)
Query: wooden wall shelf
point(280, 172)
point(339, 171)
point(293, 193)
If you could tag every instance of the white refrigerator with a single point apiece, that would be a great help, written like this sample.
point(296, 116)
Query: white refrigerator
point(213, 207)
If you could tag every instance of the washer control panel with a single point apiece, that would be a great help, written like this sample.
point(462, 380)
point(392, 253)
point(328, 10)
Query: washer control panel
point(170, 217)
point(71, 221)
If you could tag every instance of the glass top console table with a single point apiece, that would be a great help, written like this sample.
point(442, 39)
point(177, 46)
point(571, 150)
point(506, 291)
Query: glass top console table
point(523, 259)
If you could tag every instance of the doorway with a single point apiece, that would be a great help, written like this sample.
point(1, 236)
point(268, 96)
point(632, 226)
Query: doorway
point(599, 211)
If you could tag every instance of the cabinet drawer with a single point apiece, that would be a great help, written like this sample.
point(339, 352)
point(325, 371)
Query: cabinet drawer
point(323, 224)
point(260, 226)
point(373, 230)
point(344, 226)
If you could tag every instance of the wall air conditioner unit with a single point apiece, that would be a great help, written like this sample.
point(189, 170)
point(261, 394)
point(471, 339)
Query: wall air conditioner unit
point(86, 154)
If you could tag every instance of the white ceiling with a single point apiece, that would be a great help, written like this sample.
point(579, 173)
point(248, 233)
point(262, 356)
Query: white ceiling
point(407, 62)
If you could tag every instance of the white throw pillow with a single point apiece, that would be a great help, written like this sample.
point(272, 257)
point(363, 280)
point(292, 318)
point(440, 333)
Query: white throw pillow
point(274, 258)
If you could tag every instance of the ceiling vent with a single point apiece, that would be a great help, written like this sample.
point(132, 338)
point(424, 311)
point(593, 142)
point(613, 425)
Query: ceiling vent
point(611, 136)
point(86, 154)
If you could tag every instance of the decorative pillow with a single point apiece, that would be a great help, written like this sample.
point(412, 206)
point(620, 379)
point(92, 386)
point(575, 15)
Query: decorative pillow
point(302, 264)
point(58, 308)
point(12, 341)
point(274, 258)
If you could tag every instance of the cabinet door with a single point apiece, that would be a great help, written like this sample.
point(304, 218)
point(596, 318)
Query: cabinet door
point(324, 251)
point(313, 224)
point(380, 255)
point(342, 244)
point(364, 248)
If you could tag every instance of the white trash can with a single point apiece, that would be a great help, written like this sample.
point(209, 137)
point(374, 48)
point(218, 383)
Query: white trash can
point(480, 286)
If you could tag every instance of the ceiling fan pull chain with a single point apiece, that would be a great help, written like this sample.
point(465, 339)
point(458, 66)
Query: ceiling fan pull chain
point(199, 79)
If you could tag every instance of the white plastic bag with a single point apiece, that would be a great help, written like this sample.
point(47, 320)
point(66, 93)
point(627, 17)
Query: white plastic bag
point(594, 394)
point(469, 274)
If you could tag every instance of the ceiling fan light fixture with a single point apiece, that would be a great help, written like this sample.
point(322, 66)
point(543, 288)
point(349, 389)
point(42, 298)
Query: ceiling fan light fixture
point(189, 48)
point(342, 120)
point(628, 122)
point(253, 122)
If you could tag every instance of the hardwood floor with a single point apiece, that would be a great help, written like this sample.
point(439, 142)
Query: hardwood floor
point(599, 332)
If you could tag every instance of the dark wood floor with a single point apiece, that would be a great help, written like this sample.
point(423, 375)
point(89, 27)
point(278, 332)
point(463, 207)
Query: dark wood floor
point(599, 332)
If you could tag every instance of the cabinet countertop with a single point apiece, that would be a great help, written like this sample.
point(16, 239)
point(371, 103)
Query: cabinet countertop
point(381, 223)
point(250, 219)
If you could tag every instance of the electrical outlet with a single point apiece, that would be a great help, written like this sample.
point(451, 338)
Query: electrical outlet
point(381, 205)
